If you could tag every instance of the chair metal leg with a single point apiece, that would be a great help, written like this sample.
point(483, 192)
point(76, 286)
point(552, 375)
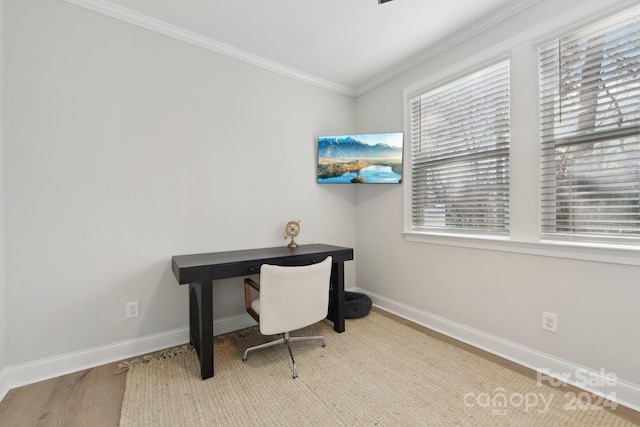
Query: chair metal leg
point(286, 339)
point(315, 337)
point(265, 345)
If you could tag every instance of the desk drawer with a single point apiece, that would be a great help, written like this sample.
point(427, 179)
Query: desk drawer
point(250, 268)
point(236, 269)
point(303, 260)
point(253, 267)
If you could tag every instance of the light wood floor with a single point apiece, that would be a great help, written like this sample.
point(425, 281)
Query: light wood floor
point(93, 397)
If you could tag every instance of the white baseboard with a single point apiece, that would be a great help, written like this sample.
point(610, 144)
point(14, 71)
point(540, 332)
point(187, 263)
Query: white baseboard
point(44, 369)
point(600, 383)
point(4, 383)
point(626, 393)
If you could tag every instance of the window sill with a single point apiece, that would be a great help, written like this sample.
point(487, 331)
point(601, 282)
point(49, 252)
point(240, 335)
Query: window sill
point(607, 253)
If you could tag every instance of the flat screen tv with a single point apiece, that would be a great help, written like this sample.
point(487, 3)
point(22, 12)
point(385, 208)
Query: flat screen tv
point(372, 158)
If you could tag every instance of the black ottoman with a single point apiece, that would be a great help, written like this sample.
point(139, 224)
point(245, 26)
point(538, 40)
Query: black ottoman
point(356, 305)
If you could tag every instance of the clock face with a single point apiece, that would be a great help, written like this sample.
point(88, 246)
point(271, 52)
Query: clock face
point(292, 229)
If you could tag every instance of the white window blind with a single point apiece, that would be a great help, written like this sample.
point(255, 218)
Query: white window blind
point(460, 155)
point(590, 121)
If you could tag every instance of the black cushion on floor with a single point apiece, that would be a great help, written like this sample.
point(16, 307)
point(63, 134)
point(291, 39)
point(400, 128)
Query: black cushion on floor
point(356, 305)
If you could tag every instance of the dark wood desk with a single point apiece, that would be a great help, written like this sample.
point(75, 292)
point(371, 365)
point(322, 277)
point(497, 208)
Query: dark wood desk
point(200, 270)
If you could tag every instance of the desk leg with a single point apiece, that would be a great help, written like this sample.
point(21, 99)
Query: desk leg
point(201, 325)
point(336, 297)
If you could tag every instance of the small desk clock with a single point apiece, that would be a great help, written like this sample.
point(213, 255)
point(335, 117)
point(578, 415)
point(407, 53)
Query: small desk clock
point(292, 229)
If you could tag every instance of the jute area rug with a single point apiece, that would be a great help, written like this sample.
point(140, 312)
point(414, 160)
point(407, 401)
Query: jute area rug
point(377, 373)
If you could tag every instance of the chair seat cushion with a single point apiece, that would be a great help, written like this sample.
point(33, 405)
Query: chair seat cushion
point(255, 305)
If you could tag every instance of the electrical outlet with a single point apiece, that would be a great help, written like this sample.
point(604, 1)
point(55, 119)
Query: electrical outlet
point(132, 309)
point(550, 321)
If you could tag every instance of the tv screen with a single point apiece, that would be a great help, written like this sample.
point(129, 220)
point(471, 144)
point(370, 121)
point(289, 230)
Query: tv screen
point(373, 158)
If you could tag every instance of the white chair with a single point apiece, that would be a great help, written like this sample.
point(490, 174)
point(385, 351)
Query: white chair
point(290, 299)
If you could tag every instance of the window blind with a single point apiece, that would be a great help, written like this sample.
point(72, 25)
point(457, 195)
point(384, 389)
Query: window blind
point(460, 154)
point(589, 123)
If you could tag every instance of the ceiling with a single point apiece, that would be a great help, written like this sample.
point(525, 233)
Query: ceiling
point(346, 45)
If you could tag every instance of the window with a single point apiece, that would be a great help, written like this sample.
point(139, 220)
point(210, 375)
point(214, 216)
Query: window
point(460, 155)
point(589, 94)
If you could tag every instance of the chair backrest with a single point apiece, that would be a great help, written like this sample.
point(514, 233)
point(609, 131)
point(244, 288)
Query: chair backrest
point(293, 297)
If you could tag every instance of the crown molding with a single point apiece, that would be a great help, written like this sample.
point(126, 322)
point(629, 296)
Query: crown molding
point(451, 42)
point(132, 17)
point(590, 11)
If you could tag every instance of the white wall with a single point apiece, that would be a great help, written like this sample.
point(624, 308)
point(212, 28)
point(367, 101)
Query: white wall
point(495, 299)
point(124, 147)
point(3, 306)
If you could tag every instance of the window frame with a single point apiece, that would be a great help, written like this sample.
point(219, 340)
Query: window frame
point(525, 236)
point(484, 67)
point(573, 138)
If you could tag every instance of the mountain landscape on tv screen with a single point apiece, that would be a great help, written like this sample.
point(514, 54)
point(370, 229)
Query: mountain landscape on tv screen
point(352, 159)
point(350, 147)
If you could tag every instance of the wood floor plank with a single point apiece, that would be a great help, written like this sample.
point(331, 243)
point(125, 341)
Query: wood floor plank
point(63, 401)
point(92, 397)
point(23, 406)
point(102, 398)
